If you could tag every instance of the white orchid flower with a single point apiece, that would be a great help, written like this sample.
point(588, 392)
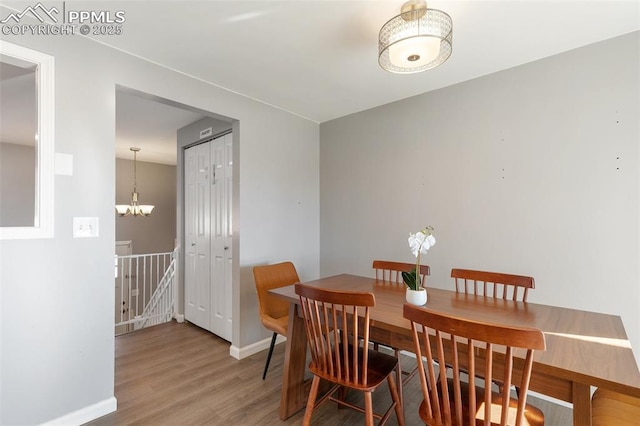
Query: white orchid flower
point(416, 243)
point(420, 242)
point(431, 240)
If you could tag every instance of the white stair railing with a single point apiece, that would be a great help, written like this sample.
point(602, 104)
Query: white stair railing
point(160, 307)
point(145, 290)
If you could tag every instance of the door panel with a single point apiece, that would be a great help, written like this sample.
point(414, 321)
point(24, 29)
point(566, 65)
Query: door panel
point(189, 231)
point(197, 236)
point(222, 163)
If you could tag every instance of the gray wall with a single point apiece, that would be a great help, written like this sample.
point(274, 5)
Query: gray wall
point(17, 184)
point(156, 186)
point(57, 360)
point(532, 170)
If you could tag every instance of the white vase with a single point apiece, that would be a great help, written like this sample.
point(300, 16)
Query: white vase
point(416, 297)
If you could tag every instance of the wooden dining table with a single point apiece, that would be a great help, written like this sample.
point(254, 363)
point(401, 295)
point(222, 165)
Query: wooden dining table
point(584, 349)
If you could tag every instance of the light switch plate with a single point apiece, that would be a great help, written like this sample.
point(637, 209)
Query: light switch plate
point(64, 164)
point(85, 227)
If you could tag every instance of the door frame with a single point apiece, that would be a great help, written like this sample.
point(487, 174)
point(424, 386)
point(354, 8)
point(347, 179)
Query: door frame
point(232, 126)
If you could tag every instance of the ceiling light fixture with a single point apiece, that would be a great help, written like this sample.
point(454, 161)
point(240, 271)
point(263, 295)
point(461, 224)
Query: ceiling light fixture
point(134, 208)
point(416, 40)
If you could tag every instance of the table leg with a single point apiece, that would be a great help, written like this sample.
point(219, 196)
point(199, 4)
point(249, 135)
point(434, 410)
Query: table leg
point(581, 404)
point(293, 397)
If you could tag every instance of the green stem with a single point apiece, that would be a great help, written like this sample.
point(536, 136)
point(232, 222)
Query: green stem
point(418, 282)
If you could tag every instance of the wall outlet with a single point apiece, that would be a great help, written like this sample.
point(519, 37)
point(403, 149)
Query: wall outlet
point(85, 227)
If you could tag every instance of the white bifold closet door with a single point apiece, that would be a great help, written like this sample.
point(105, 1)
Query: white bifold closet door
point(208, 252)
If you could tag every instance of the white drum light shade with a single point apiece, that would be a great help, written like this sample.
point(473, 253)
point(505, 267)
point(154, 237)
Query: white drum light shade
point(416, 40)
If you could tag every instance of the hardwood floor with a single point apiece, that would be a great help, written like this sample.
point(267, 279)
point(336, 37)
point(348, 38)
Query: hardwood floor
point(179, 374)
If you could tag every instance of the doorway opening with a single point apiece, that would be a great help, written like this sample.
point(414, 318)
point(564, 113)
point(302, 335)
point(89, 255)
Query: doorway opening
point(165, 130)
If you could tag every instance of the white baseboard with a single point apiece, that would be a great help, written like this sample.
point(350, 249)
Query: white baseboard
point(179, 318)
point(254, 348)
point(550, 399)
point(86, 414)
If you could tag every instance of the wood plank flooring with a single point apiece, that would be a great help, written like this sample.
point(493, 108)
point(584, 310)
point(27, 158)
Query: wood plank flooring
point(179, 374)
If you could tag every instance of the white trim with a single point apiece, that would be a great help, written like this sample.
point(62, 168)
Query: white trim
point(43, 226)
point(550, 399)
point(86, 414)
point(179, 317)
point(254, 348)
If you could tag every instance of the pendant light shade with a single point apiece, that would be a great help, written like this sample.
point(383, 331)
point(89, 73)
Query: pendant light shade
point(134, 209)
point(416, 40)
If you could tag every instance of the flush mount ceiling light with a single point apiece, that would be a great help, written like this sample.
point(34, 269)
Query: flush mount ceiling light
point(134, 208)
point(416, 40)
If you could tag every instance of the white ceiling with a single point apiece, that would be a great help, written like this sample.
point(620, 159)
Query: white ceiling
point(318, 59)
point(149, 125)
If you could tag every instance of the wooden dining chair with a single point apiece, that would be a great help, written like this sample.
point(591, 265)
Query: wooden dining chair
point(493, 284)
point(613, 408)
point(274, 312)
point(443, 340)
point(391, 272)
point(337, 328)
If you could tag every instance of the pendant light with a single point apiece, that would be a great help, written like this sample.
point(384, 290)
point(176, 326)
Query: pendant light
point(134, 209)
point(416, 40)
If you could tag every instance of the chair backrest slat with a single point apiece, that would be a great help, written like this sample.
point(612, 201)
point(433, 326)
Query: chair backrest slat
point(456, 379)
point(488, 378)
point(446, 409)
point(492, 284)
point(506, 386)
point(472, 381)
point(441, 339)
point(335, 329)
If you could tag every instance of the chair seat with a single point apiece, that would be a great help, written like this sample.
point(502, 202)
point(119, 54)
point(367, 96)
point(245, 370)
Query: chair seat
point(533, 416)
point(277, 325)
point(379, 367)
